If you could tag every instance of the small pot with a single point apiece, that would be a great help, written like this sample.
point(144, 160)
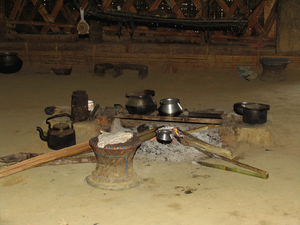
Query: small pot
point(170, 107)
point(164, 136)
point(254, 113)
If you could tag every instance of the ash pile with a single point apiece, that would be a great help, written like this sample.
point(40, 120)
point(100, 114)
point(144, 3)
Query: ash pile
point(153, 150)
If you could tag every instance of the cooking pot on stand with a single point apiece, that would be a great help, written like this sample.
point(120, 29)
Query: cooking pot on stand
point(255, 113)
point(170, 107)
point(141, 102)
point(61, 135)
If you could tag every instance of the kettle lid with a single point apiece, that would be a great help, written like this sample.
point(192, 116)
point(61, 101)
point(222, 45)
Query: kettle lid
point(61, 126)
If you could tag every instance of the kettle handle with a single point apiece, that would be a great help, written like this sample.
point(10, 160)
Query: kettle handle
point(59, 115)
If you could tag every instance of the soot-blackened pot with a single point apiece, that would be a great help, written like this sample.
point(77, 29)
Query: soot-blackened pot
point(255, 113)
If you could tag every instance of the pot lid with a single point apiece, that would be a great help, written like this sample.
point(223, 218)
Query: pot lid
point(61, 126)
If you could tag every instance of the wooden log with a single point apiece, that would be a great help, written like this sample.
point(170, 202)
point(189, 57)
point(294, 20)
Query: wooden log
point(170, 119)
point(48, 157)
point(38, 23)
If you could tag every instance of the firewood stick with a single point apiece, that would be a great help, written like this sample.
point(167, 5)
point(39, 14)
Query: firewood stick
point(221, 167)
point(265, 173)
point(201, 128)
point(41, 159)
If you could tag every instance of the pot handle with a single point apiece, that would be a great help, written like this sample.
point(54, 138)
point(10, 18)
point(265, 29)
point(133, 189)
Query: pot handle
point(59, 115)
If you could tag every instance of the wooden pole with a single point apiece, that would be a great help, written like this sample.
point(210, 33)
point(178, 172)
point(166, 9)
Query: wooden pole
point(48, 157)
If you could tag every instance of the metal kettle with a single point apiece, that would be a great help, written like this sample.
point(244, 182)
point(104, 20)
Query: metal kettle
point(61, 135)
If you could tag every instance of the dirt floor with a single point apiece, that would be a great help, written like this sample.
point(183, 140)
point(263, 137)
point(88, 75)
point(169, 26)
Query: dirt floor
point(179, 193)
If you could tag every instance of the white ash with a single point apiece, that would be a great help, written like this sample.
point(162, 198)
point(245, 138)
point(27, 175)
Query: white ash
point(152, 150)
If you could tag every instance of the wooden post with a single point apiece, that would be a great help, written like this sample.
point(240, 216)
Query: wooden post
point(288, 32)
point(2, 17)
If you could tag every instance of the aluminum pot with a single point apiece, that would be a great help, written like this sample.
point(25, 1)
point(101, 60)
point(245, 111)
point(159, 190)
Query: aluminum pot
point(164, 136)
point(255, 113)
point(170, 107)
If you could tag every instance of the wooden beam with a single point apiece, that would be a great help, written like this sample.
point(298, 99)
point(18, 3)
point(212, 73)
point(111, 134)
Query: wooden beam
point(38, 23)
point(223, 5)
point(253, 20)
point(15, 10)
point(155, 5)
point(46, 16)
point(127, 5)
point(37, 5)
point(231, 10)
point(176, 8)
point(53, 14)
point(270, 20)
point(171, 119)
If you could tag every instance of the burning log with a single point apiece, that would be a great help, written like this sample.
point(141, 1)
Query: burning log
point(197, 143)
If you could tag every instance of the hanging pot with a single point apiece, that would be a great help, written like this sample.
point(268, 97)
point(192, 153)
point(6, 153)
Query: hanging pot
point(255, 113)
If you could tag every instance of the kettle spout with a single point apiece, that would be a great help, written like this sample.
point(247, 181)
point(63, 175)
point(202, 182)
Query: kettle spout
point(42, 136)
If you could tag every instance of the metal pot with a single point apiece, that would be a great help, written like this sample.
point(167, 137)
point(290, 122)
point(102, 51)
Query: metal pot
point(10, 62)
point(164, 136)
point(254, 113)
point(61, 135)
point(238, 107)
point(170, 107)
point(141, 102)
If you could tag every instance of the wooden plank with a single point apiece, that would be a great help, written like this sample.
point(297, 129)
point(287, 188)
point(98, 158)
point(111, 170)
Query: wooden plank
point(170, 119)
point(53, 14)
point(48, 157)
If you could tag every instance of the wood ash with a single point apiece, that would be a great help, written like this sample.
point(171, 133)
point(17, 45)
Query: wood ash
point(152, 150)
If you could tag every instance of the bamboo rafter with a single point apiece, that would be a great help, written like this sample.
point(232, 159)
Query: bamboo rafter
point(18, 14)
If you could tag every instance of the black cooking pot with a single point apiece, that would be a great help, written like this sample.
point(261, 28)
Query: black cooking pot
point(10, 62)
point(141, 102)
point(255, 113)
